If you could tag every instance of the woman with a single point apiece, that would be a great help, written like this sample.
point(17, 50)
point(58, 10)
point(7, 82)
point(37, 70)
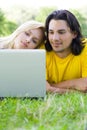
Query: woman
point(29, 35)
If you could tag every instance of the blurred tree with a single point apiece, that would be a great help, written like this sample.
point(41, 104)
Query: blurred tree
point(21, 14)
point(82, 20)
point(43, 13)
point(6, 27)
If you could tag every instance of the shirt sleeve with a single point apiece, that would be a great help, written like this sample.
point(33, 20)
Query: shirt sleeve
point(84, 61)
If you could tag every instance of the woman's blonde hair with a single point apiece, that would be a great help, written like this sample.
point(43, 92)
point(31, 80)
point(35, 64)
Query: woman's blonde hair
point(8, 41)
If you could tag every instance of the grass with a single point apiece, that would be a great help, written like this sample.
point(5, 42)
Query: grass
point(54, 112)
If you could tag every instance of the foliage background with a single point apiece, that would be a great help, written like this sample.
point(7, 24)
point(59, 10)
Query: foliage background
point(10, 19)
point(54, 112)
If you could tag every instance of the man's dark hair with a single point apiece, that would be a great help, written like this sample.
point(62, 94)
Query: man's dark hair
point(72, 22)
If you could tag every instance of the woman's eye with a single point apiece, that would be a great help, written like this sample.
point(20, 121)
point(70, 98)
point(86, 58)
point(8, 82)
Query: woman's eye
point(34, 41)
point(27, 33)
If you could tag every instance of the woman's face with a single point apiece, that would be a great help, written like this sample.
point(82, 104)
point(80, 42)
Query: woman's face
point(29, 39)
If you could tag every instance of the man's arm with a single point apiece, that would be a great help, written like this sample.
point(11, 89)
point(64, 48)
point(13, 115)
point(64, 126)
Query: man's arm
point(75, 84)
point(55, 89)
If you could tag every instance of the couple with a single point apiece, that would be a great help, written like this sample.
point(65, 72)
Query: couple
point(66, 50)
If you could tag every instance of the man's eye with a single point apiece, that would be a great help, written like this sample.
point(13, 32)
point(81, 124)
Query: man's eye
point(50, 32)
point(62, 32)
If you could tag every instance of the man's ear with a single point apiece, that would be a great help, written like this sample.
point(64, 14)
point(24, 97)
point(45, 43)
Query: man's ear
point(74, 35)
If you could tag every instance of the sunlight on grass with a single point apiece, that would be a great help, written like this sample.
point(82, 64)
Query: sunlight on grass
point(54, 112)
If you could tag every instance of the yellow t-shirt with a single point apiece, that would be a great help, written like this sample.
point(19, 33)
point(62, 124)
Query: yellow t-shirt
point(61, 69)
point(42, 46)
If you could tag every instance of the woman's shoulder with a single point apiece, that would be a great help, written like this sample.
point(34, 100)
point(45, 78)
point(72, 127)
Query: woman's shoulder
point(42, 46)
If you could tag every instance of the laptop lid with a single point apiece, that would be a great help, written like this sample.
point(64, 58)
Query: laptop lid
point(22, 73)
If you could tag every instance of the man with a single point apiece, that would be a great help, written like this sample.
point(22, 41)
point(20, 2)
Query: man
point(66, 59)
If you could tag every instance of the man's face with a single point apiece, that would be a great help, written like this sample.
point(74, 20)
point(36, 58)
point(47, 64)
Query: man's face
point(60, 37)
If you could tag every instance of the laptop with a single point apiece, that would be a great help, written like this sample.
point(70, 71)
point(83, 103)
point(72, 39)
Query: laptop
point(22, 73)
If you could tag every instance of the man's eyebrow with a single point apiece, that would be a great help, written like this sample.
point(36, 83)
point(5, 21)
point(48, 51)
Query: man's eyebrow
point(61, 30)
point(57, 30)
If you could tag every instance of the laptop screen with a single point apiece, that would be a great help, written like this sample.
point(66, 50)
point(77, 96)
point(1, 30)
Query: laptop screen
point(22, 73)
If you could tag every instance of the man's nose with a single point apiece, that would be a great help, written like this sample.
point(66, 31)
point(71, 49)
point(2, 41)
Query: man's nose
point(55, 36)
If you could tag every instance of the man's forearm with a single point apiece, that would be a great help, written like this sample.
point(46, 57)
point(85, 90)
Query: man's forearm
point(53, 89)
point(75, 84)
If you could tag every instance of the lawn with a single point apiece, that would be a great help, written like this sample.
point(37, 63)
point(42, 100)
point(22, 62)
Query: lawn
point(54, 112)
